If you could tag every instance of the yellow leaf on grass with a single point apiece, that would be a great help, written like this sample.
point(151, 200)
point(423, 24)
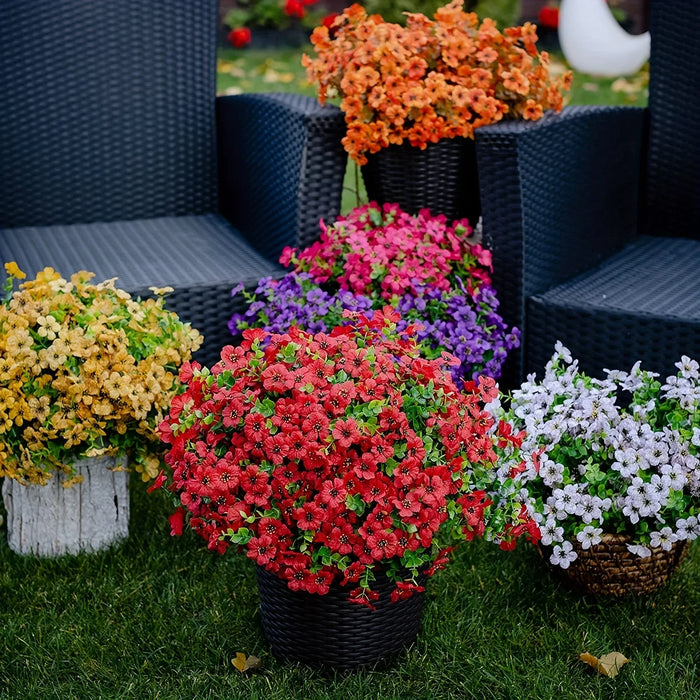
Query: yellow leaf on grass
point(245, 663)
point(609, 664)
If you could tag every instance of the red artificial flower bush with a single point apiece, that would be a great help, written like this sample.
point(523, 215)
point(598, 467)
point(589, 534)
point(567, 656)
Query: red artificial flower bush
point(325, 457)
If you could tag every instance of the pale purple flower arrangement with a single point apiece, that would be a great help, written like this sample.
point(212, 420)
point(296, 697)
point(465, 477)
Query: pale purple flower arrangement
point(612, 455)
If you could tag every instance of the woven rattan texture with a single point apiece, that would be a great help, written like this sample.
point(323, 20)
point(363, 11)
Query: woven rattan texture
point(673, 194)
point(201, 257)
point(286, 174)
point(107, 110)
point(610, 569)
point(670, 268)
point(641, 304)
point(442, 177)
point(332, 632)
point(571, 182)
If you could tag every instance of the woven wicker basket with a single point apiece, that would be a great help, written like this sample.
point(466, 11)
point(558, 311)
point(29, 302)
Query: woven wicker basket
point(610, 569)
point(442, 178)
point(329, 631)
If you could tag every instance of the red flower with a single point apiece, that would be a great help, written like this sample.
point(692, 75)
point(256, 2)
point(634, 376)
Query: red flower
point(382, 545)
point(408, 505)
point(233, 412)
point(274, 528)
point(177, 522)
point(549, 17)
point(362, 552)
point(296, 445)
point(341, 538)
point(256, 485)
point(255, 426)
point(319, 582)
point(365, 468)
point(340, 396)
point(309, 517)
point(294, 8)
point(239, 37)
point(507, 436)
point(333, 492)
point(328, 21)
point(276, 377)
point(225, 476)
point(353, 573)
point(315, 425)
point(440, 562)
point(262, 549)
point(363, 597)
point(345, 432)
point(405, 590)
point(158, 483)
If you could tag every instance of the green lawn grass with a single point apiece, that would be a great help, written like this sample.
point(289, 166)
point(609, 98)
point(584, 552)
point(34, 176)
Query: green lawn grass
point(162, 617)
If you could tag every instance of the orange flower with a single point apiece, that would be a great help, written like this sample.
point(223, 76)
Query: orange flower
point(416, 68)
point(461, 97)
point(487, 55)
point(415, 96)
point(515, 81)
point(532, 111)
point(434, 78)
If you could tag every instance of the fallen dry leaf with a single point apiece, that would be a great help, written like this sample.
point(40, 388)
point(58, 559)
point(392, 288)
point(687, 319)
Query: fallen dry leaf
point(245, 663)
point(609, 664)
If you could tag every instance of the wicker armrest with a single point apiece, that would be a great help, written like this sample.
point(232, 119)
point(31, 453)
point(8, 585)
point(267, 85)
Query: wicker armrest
point(281, 167)
point(557, 195)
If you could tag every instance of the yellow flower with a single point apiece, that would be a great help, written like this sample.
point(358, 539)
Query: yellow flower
point(80, 367)
point(52, 358)
point(13, 270)
point(48, 327)
point(161, 291)
point(117, 386)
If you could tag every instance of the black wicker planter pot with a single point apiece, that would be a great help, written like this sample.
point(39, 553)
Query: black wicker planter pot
point(331, 632)
point(442, 178)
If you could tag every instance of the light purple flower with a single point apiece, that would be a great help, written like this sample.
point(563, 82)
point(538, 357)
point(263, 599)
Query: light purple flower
point(663, 538)
point(563, 554)
point(589, 536)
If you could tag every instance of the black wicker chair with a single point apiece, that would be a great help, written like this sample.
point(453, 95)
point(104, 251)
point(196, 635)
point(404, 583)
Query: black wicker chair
point(593, 216)
point(117, 157)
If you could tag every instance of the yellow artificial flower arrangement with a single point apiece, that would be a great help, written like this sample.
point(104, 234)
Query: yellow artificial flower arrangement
point(85, 371)
point(430, 79)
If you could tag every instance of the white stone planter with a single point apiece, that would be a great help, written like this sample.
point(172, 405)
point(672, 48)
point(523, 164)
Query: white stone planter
point(51, 520)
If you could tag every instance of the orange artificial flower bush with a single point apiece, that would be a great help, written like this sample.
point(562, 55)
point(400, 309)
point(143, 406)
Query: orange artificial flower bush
point(432, 79)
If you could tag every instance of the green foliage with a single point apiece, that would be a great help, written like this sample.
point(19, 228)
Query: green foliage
point(505, 12)
point(269, 14)
point(393, 10)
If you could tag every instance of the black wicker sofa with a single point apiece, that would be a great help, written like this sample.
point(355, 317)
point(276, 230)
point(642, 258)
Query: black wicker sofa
point(117, 157)
point(593, 216)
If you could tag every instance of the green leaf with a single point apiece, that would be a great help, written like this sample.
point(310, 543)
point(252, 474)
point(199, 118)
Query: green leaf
point(375, 216)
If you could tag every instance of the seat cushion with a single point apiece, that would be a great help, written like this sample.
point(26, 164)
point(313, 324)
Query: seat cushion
point(642, 303)
point(201, 257)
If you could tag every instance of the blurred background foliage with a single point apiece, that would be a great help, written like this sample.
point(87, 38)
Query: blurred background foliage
point(504, 12)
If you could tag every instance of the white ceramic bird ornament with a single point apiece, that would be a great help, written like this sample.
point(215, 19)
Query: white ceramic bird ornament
point(593, 42)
